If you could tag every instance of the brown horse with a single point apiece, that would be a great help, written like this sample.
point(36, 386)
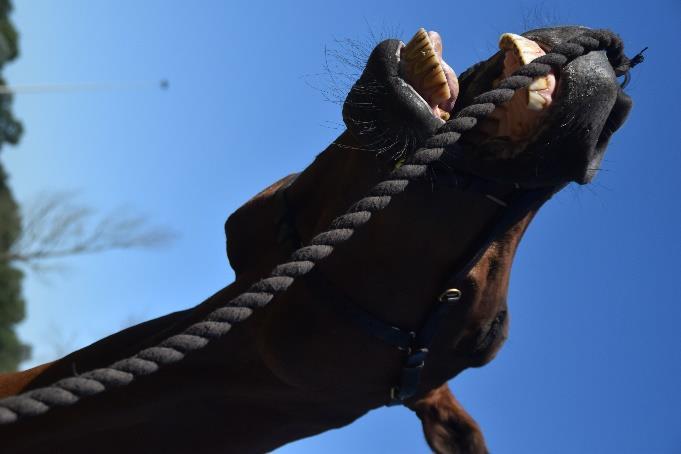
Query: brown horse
point(303, 364)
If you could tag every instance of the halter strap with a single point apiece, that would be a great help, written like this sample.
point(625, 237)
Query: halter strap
point(514, 202)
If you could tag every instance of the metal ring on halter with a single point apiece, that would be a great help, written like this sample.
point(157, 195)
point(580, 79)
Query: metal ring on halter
point(450, 295)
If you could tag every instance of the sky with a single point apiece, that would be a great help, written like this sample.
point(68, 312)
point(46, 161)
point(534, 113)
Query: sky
point(593, 362)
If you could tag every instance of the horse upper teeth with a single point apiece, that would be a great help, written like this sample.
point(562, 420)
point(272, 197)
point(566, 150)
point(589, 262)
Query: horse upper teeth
point(423, 69)
point(540, 83)
point(535, 101)
point(527, 50)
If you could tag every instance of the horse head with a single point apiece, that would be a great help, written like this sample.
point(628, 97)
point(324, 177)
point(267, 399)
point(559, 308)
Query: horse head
point(398, 267)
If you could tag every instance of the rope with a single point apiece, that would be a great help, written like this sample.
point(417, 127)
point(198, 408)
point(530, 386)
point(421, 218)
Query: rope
point(70, 390)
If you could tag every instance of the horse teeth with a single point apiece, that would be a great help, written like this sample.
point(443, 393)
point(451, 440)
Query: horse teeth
point(535, 101)
point(437, 98)
point(417, 44)
point(526, 51)
point(434, 79)
point(427, 65)
point(540, 83)
point(423, 69)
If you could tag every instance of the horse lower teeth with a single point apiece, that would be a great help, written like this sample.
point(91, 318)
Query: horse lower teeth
point(422, 69)
point(527, 50)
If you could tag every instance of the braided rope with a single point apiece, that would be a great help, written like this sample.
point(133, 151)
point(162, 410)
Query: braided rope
point(70, 390)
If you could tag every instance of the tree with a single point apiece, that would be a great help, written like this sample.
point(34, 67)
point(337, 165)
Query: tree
point(55, 226)
point(10, 127)
point(12, 305)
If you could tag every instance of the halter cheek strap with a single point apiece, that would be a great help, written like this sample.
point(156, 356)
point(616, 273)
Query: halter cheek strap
point(515, 203)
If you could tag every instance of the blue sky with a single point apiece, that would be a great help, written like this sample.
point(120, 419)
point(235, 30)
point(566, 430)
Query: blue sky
point(593, 361)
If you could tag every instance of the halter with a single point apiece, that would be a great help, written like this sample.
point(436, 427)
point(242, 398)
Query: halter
point(514, 202)
point(173, 349)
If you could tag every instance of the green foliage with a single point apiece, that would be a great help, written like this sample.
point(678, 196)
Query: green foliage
point(12, 350)
point(10, 127)
point(10, 223)
point(11, 302)
point(12, 305)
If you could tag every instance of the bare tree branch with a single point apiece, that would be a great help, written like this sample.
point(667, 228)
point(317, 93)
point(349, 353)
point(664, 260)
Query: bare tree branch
point(56, 226)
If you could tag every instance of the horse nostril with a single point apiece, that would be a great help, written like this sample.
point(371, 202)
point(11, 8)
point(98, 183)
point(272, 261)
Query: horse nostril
point(450, 295)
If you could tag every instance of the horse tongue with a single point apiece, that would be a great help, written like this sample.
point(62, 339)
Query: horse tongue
point(452, 82)
point(424, 69)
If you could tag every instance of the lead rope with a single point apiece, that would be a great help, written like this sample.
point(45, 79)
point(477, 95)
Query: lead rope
point(70, 390)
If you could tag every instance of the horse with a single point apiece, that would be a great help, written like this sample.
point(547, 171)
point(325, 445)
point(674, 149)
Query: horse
point(398, 301)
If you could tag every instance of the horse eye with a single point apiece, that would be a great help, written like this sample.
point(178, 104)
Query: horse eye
point(493, 332)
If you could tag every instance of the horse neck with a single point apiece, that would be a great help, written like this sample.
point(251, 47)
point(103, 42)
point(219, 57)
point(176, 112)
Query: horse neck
point(117, 346)
point(226, 381)
point(340, 175)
